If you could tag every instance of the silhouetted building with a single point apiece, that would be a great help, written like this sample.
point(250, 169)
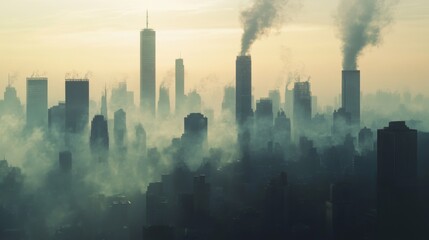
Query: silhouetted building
point(366, 139)
point(263, 122)
point(289, 101)
point(120, 128)
point(196, 129)
point(301, 107)
point(99, 139)
point(148, 71)
point(121, 97)
point(65, 160)
point(201, 196)
point(104, 105)
point(180, 85)
point(243, 89)
point(163, 102)
point(140, 142)
point(57, 117)
point(228, 103)
point(282, 130)
point(194, 101)
point(397, 182)
point(274, 95)
point(77, 105)
point(339, 212)
point(10, 105)
point(351, 94)
point(341, 123)
point(37, 102)
point(423, 155)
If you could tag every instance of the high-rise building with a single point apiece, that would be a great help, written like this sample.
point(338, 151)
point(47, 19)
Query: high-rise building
point(289, 101)
point(366, 139)
point(350, 94)
point(99, 139)
point(228, 103)
point(140, 143)
point(65, 161)
point(104, 104)
point(301, 107)
point(57, 117)
point(193, 101)
point(397, 181)
point(10, 105)
point(341, 123)
point(274, 95)
point(148, 71)
point(163, 102)
point(120, 127)
point(196, 130)
point(282, 129)
point(243, 89)
point(263, 122)
point(77, 105)
point(121, 97)
point(37, 102)
point(180, 85)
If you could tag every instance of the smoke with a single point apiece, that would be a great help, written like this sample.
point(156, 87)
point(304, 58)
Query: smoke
point(259, 19)
point(361, 24)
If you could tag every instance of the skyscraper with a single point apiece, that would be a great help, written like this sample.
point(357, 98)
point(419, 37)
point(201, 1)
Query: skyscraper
point(148, 71)
point(301, 107)
point(57, 118)
point(289, 102)
point(104, 104)
point(397, 181)
point(351, 94)
point(274, 95)
point(120, 127)
point(228, 103)
point(264, 122)
point(99, 139)
point(77, 105)
point(196, 129)
point(180, 85)
point(163, 102)
point(37, 102)
point(243, 89)
point(10, 105)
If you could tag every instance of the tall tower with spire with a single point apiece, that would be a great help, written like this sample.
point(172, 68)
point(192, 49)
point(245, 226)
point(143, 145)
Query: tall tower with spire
point(147, 70)
point(104, 104)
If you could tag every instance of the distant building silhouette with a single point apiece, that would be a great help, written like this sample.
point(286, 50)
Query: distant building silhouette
point(397, 182)
point(289, 102)
point(104, 105)
point(65, 161)
point(77, 105)
point(194, 102)
point(263, 122)
point(274, 95)
point(180, 85)
point(148, 71)
point(341, 123)
point(37, 102)
point(228, 103)
point(121, 97)
point(163, 102)
point(99, 139)
point(301, 107)
point(351, 95)
point(140, 143)
point(243, 89)
point(10, 105)
point(282, 129)
point(366, 139)
point(196, 129)
point(120, 128)
point(57, 117)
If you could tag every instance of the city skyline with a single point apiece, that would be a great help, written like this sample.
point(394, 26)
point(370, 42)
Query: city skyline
point(291, 49)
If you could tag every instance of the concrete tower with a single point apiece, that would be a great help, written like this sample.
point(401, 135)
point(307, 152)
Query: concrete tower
point(243, 89)
point(148, 71)
point(37, 102)
point(351, 94)
point(180, 85)
point(77, 105)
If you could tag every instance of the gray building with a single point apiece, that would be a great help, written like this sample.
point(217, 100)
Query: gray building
point(77, 105)
point(37, 102)
point(350, 94)
point(180, 85)
point(243, 89)
point(148, 71)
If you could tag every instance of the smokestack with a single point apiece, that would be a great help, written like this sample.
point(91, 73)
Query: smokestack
point(351, 94)
point(243, 89)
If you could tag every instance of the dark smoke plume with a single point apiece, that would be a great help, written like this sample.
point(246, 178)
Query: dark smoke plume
point(259, 19)
point(361, 24)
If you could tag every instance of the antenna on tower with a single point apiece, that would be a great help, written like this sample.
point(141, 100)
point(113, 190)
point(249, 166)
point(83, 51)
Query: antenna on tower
point(147, 19)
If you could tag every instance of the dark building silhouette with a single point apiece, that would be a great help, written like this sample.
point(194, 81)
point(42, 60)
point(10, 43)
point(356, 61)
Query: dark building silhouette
point(274, 95)
point(103, 109)
point(194, 102)
point(196, 129)
point(397, 182)
point(77, 105)
point(301, 107)
point(423, 156)
point(57, 117)
point(366, 139)
point(228, 103)
point(65, 161)
point(140, 142)
point(351, 94)
point(339, 212)
point(99, 139)
point(180, 85)
point(37, 102)
point(243, 89)
point(163, 102)
point(201, 201)
point(282, 129)
point(341, 123)
point(263, 122)
point(289, 101)
point(120, 128)
point(148, 71)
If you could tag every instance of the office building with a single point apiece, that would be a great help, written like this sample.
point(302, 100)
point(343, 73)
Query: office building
point(180, 85)
point(77, 105)
point(120, 128)
point(37, 102)
point(301, 108)
point(148, 71)
point(99, 139)
point(274, 95)
point(243, 89)
point(350, 95)
point(57, 117)
point(163, 103)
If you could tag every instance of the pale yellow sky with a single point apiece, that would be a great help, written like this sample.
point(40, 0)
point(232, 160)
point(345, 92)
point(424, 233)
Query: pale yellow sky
point(54, 37)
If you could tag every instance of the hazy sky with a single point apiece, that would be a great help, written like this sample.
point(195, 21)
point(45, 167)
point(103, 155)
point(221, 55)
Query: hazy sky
point(55, 37)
